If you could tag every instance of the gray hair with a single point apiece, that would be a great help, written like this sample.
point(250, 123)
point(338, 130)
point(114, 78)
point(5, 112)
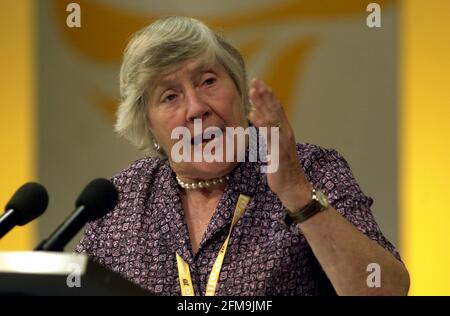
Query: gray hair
point(160, 47)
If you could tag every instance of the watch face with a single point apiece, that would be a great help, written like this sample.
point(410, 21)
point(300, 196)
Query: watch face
point(322, 198)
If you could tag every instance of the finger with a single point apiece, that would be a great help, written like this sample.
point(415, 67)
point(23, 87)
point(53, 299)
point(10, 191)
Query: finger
point(258, 103)
point(264, 113)
point(262, 96)
point(271, 101)
point(260, 120)
point(269, 105)
point(268, 96)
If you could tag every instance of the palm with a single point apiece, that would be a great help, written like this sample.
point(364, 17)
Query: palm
point(268, 112)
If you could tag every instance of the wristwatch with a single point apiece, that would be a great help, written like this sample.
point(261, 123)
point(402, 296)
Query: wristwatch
point(318, 203)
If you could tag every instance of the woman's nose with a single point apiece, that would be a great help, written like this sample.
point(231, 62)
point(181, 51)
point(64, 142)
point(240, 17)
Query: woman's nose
point(196, 107)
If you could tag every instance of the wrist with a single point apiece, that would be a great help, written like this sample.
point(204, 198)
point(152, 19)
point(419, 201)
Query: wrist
point(318, 202)
point(297, 197)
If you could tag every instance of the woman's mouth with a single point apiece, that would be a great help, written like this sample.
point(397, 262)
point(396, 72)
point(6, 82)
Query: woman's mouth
point(205, 138)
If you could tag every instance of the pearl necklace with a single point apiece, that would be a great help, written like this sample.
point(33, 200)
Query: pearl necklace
point(202, 184)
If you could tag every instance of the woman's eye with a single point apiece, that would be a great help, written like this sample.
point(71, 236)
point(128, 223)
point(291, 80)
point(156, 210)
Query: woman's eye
point(169, 98)
point(210, 81)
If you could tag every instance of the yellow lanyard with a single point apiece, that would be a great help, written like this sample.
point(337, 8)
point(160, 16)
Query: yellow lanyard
point(184, 273)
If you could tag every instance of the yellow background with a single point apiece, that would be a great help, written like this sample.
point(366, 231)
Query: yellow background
point(424, 161)
point(17, 110)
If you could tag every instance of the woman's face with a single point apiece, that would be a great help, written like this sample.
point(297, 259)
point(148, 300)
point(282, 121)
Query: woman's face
point(191, 92)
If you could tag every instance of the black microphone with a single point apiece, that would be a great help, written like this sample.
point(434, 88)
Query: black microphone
point(98, 198)
point(28, 203)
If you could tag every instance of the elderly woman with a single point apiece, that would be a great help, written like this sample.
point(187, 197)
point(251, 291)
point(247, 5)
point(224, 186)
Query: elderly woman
point(223, 227)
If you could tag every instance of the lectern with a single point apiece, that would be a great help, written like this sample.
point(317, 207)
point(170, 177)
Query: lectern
point(52, 273)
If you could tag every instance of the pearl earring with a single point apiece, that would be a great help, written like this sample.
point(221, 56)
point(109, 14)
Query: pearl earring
point(156, 145)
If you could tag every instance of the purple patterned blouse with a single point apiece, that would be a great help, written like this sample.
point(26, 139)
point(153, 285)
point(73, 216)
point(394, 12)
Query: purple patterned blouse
point(139, 238)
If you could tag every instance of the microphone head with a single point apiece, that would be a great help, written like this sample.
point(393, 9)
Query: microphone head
point(29, 202)
point(99, 197)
